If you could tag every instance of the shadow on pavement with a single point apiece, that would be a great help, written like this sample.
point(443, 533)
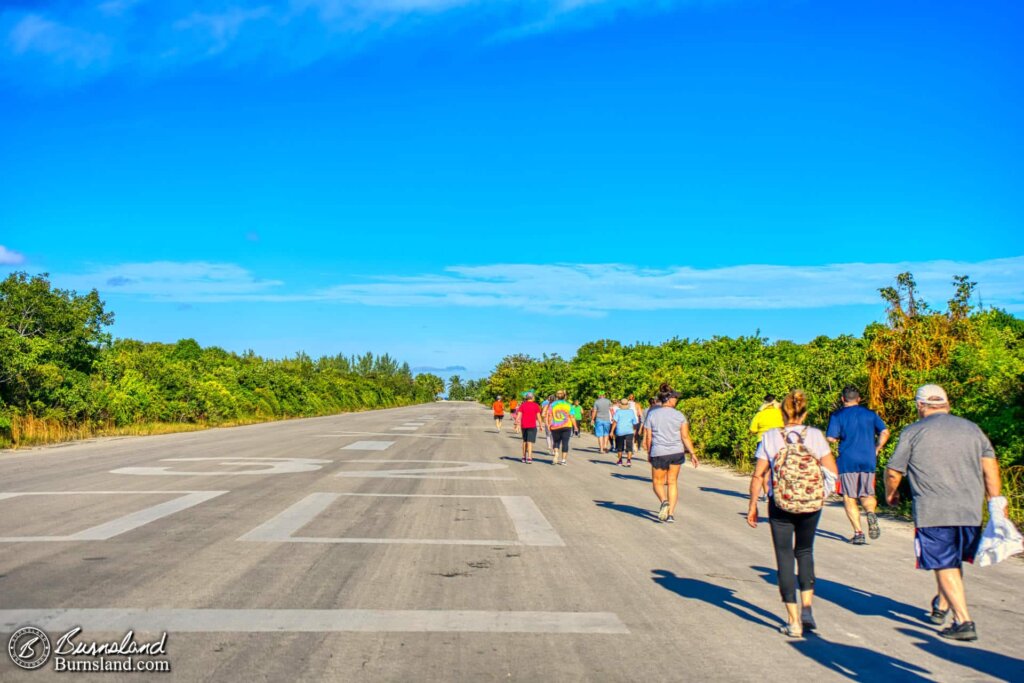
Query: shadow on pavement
point(857, 663)
point(971, 656)
point(720, 596)
point(603, 462)
point(628, 509)
point(725, 492)
point(831, 535)
point(634, 477)
point(860, 602)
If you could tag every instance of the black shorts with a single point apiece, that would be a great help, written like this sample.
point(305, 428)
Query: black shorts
point(624, 442)
point(662, 462)
point(560, 439)
point(499, 418)
point(529, 434)
point(514, 411)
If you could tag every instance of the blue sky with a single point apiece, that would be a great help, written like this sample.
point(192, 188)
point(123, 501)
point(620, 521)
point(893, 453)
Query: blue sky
point(451, 181)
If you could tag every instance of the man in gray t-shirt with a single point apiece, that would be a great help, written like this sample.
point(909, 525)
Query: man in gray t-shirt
point(951, 467)
point(601, 418)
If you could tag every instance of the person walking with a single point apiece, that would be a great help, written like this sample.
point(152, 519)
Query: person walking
point(529, 414)
point(577, 415)
point(861, 436)
point(624, 428)
point(642, 440)
point(513, 407)
point(545, 415)
point(560, 424)
point(792, 458)
point(769, 416)
point(499, 412)
point(951, 467)
point(668, 441)
point(601, 418)
point(638, 425)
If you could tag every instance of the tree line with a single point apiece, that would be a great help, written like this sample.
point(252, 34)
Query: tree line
point(60, 367)
point(977, 355)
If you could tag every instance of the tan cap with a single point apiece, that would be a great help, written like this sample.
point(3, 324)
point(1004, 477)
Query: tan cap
point(931, 395)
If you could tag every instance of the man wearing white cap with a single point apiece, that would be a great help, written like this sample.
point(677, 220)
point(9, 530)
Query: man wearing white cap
point(951, 466)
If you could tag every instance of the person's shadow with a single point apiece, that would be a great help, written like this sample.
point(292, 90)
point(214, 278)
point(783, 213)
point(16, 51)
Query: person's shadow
point(725, 492)
point(831, 535)
point(633, 477)
point(986, 662)
point(628, 509)
point(857, 663)
point(720, 596)
point(856, 600)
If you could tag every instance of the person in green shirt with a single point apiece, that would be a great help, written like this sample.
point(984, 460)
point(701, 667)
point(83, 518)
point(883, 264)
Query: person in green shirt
point(577, 413)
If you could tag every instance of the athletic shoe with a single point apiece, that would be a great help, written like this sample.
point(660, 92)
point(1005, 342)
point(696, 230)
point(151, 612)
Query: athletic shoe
point(663, 512)
point(873, 530)
point(670, 520)
point(563, 461)
point(629, 463)
point(524, 459)
point(964, 631)
point(529, 460)
point(938, 616)
point(618, 463)
point(807, 619)
point(792, 630)
point(858, 539)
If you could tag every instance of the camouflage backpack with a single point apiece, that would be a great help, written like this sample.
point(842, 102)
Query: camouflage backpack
point(797, 482)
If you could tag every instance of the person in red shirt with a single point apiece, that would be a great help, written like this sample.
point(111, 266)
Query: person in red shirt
point(529, 415)
point(499, 412)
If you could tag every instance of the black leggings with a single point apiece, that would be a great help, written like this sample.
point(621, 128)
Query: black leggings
point(793, 536)
point(560, 438)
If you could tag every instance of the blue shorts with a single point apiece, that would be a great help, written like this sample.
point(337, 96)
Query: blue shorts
point(602, 427)
point(946, 547)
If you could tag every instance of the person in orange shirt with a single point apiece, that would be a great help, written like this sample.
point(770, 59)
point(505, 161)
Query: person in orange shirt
point(513, 405)
point(499, 412)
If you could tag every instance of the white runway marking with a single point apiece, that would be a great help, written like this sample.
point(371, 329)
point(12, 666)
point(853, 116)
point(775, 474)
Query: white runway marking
point(531, 526)
point(122, 524)
point(368, 446)
point(427, 472)
point(404, 429)
point(391, 434)
point(312, 621)
point(268, 465)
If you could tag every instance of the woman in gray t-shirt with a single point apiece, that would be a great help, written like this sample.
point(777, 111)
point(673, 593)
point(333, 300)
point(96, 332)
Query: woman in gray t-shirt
point(667, 441)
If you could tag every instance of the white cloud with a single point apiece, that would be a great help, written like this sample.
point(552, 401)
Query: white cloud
point(9, 257)
point(35, 34)
point(182, 282)
point(575, 289)
point(595, 289)
point(97, 37)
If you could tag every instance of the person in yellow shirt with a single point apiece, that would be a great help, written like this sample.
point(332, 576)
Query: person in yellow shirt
point(769, 416)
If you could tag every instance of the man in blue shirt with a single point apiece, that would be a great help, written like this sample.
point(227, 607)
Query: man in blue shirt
point(861, 435)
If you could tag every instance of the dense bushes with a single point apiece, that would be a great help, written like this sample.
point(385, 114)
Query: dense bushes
point(977, 356)
point(58, 366)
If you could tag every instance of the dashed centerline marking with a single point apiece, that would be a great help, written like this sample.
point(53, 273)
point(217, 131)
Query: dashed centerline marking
point(368, 446)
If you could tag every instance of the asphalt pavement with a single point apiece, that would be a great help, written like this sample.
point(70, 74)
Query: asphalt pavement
point(411, 544)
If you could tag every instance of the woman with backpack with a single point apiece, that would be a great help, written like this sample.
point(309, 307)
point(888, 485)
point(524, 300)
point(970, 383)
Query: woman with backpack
point(792, 458)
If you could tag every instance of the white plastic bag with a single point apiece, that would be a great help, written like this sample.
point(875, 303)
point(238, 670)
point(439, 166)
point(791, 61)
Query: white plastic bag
point(1000, 539)
point(830, 481)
